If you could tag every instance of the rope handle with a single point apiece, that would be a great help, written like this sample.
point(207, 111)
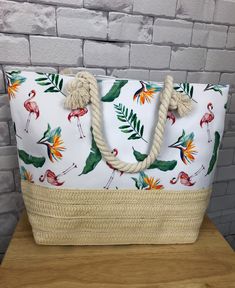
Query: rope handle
point(84, 89)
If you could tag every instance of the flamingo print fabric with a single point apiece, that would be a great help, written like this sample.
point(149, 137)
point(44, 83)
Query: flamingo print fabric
point(56, 147)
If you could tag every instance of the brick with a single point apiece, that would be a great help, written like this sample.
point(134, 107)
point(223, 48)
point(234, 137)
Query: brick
point(76, 3)
point(213, 215)
point(12, 133)
point(196, 9)
point(225, 11)
point(219, 189)
point(109, 5)
point(223, 228)
point(37, 19)
point(159, 76)
point(168, 31)
point(5, 113)
point(222, 203)
point(149, 56)
point(225, 157)
point(231, 240)
point(106, 54)
point(126, 27)
point(227, 216)
point(232, 104)
point(8, 222)
point(4, 134)
point(94, 71)
point(138, 74)
point(14, 49)
point(2, 82)
point(209, 35)
point(43, 69)
point(230, 122)
point(188, 58)
point(220, 60)
point(231, 38)
point(81, 23)
point(55, 51)
point(6, 181)
point(232, 227)
point(203, 77)
point(228, 142)
point(17, 179)
point(11, 202)
point(225, 173)
point(227, 78)
point(8, 158)
point(4, 242)
point(156, 7)
point(231, 187)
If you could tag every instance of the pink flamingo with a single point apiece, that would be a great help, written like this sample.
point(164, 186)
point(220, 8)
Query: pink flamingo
point(115, 152)
point(52, 178)
point(185, 179)
point(31, 107)
point(78, 113)
point(171, 116)
point(207, 118)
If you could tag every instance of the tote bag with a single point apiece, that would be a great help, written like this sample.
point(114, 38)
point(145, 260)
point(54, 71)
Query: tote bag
point(125, 169)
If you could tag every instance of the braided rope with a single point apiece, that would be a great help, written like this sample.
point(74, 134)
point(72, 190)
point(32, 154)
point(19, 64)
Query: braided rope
point(84, 89)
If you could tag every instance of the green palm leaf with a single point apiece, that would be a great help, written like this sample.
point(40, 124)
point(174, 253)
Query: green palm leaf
point(214, 153)
point(216, 88)
point(115, 91)
point(132, 125)
point(185, 88)
point(93, 158)
point(54, 82)
point(159, 164)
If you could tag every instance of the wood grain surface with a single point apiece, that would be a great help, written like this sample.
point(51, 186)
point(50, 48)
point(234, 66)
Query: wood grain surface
point(208, 263)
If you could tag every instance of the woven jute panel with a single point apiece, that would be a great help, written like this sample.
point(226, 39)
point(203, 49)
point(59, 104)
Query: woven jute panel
point(105, 217)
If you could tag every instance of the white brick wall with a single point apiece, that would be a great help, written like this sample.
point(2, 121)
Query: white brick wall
point(80, 23)
point(127, 27)
point(193, 40)
point(168, 31)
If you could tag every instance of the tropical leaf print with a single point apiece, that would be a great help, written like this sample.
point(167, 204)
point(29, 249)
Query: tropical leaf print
point(147, 183)
point(186, 146)
point(145, 93)
point(159, 164)
point(26, 175)
point(216, 88)
point(14, 80)
point(185, 88)
point(139, 182)
point(53, 81)
point(93, 158)
point(29, 159)
point(214, 154)
point(131, 124)
point(115, 91)
point(52, 140)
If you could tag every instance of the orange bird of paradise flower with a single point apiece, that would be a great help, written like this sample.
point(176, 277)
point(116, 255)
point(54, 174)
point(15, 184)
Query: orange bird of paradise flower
point(186, 146)
point(145, 93)
point(14, 80)
point(26, 175)
point(52, 140)
point(153, 184)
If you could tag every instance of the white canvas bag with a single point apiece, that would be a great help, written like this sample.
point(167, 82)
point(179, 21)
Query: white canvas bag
point(76, 181)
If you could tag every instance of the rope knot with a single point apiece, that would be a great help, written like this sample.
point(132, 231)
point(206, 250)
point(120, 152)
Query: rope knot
point(79, 90)
point(180, 102)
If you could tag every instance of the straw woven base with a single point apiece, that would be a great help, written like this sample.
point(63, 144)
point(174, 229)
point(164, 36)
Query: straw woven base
point(103, 217)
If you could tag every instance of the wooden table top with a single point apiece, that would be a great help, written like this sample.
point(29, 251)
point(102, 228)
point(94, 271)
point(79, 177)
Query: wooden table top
point(208, 263)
